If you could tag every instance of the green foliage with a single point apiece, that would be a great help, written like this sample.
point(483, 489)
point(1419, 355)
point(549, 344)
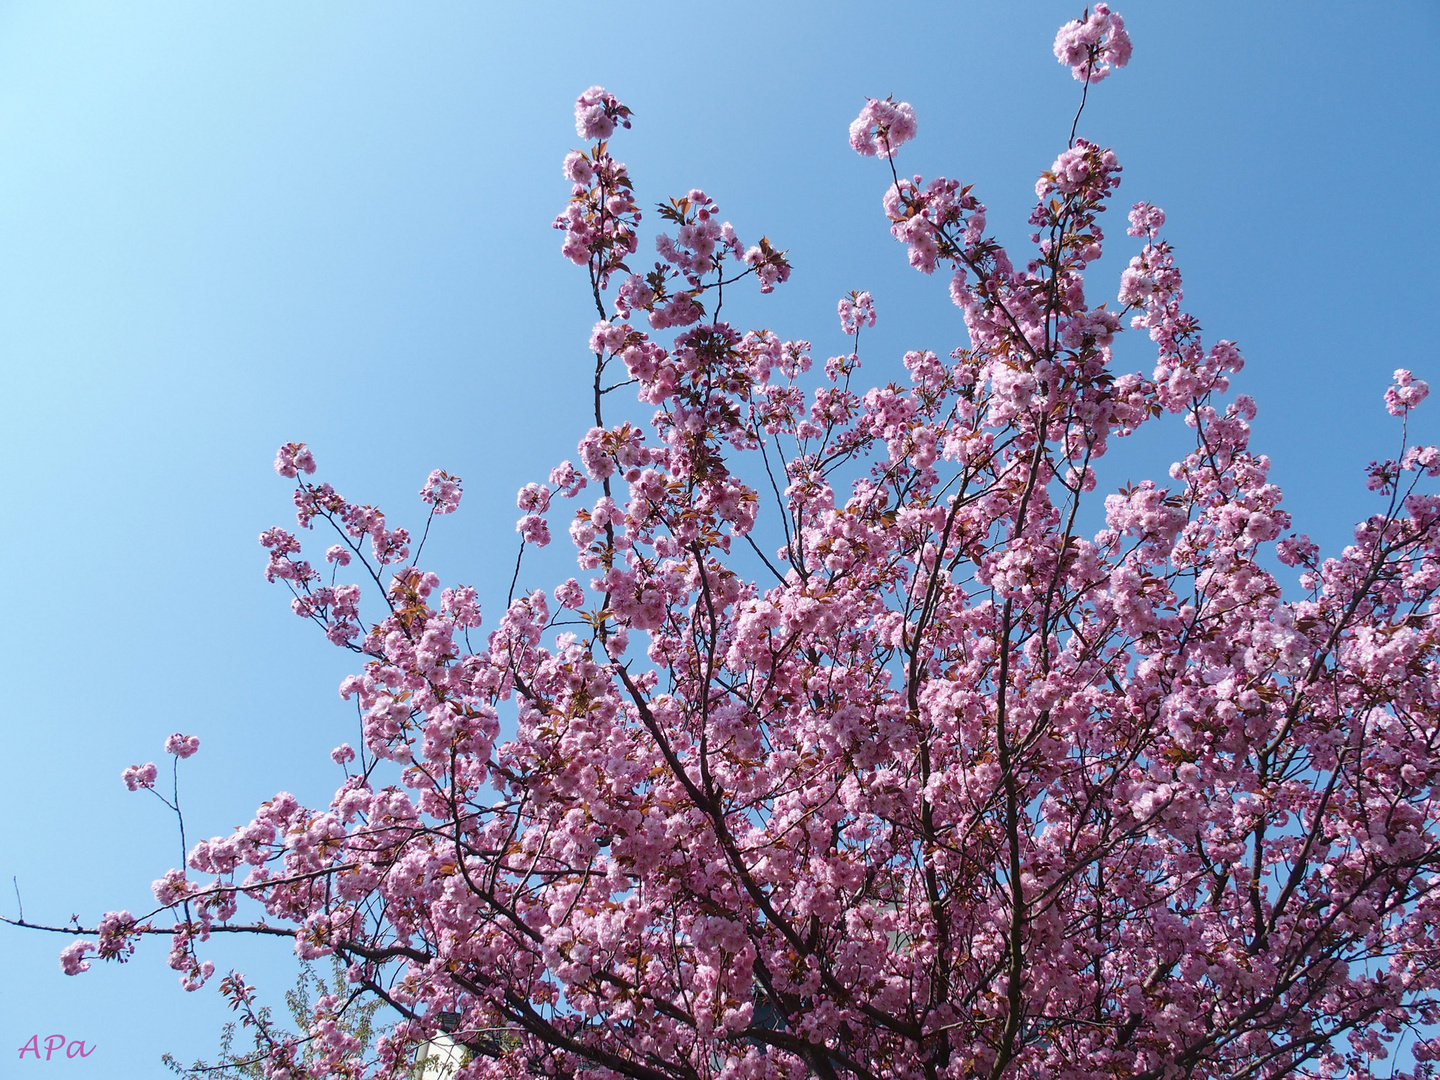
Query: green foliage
point(357, 1018)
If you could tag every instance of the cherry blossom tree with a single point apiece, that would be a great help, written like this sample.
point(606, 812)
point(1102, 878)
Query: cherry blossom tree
point(847, 754)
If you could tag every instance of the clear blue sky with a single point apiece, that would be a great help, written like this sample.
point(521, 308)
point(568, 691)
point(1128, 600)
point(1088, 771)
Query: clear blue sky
point(224, 226)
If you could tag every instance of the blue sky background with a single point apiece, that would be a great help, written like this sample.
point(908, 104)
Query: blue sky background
point(225, 226)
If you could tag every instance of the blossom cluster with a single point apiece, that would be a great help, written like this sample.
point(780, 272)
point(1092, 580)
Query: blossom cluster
point(601, 231)
point(1094, 46)
point(139, 776)
point(847, 751)
point(856, 310)
point(182, 746)
point(882, 127)
point(442, 491)
point(602, 219)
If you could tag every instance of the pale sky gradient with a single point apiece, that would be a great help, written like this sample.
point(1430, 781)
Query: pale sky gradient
point(224, 226)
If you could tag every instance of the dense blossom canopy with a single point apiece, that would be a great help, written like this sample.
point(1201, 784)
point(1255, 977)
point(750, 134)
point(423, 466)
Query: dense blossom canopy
point(922, 784)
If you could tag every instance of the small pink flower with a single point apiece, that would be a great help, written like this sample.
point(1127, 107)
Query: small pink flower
point(72, 960)
point(442, 492)
point(856, 310)
point(343, 754)
point(882, 127)
point(117, 930)
point(593, 456)
point(293, 459)
point(172, 888)
point(534, 498)
point(596, 113)
point(391, 545)
point(197, 976)
point(567, 478)
point(680, 310)
point(1297, 550)
point(608, 337)
point(182, 746)
point(634, 293)
point(1406, 393)
point(577, 168)
point(280, 542)
point(570, 595)
point(770, 265)
point(1145, 220)
point(617, 643)
point(140, 776)
point(462, 605)
point(1092, 47)
point(533, 530)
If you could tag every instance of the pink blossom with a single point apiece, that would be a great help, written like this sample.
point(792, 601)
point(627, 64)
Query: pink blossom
point(392, 545)
point(634, 294)
point(856, 310)
point(569, 594)
point(862, 757)
point(882, 127)
point(462, 605)
point(1406, 393)
point(597, 112)
point(769, 265)
point(72, 960)
point(1425, 458)
point(680, 310)
point(139, 776)
point(442, 491)
point(1145, 220)
point(280, 542)
point(579, 236)
point(567, 478)
point(607, 337)
point(197, 976)
point(172, 888)
point(182, 746)
point(617, 643)
point(577, 168)
point(116, 935)
point(533, 530)
point(598, 463)
point(293, 459)
point(1092, 47)
point(534, 498)
point(1083, 170)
